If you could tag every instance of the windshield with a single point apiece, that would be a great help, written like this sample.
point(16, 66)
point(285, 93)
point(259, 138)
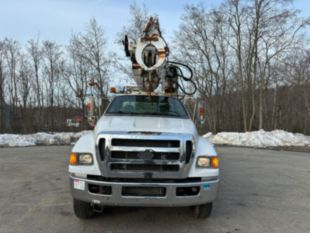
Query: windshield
point(147, 105)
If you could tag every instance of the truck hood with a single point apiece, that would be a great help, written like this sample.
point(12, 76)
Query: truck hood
point(145, 124)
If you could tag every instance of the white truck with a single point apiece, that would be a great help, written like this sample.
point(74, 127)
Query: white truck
point(144, 151)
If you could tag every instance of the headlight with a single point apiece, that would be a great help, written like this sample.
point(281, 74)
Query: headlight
point(203, 161)
point(81, 159)
point(207, 162)
point(85, 159)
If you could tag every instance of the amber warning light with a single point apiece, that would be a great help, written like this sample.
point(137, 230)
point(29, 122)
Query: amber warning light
point(113, 90)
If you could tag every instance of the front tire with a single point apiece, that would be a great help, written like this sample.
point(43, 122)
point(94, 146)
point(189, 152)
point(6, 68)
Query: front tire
point(82, 209)
point(203, 211)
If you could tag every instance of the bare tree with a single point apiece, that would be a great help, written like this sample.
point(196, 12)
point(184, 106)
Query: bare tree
point(277, 28)
point(202, 44)
point(24, 86)
point(52, 54)
point(36, 55)
point(92, 49)
point(2, 83)
point(12, 57)
point(139, 17)
point(233, 50)
point(78, 74)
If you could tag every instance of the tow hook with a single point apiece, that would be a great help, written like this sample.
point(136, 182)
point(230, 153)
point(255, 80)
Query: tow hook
point(97, 206)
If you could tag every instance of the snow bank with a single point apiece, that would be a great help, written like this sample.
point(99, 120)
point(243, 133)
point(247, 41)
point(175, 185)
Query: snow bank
point(261, 138)
point(20, 140)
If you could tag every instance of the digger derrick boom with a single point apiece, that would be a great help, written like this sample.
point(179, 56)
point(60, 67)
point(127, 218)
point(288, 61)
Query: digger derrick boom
point(150, 65)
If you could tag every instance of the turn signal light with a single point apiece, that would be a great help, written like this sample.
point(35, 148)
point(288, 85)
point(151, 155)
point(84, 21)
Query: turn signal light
point(73, 159)
point(215, 162)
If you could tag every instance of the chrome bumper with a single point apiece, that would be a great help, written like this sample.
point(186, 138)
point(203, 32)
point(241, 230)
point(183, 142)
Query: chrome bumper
point(208, 193)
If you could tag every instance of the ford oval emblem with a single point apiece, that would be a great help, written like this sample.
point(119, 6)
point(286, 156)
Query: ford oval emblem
point(146, 155)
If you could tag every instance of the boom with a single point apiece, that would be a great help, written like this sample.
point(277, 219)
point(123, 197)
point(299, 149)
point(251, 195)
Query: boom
point(150, 65)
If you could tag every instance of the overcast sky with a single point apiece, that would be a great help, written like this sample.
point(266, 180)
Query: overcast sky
point(56, 20)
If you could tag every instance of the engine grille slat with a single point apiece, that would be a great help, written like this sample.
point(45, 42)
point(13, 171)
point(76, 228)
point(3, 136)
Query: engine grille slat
point(102, 144)
point(141, 149)
point(143, 167)
point(188, 151)
point(145, 143)
point(135, 155)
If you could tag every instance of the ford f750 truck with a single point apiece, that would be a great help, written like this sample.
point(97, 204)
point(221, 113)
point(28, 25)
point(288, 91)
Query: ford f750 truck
point(144, 151)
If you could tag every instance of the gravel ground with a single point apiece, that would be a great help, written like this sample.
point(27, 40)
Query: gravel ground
point(261, 191)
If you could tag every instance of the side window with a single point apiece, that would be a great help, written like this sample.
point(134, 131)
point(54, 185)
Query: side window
point(172, 106)
point(176, 107)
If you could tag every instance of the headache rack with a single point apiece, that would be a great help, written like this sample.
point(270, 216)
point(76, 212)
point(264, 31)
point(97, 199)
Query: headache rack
point(164, 155)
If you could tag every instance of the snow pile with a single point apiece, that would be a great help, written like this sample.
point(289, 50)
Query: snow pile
point(261, 138)
point(13, 140)
point(20, 140)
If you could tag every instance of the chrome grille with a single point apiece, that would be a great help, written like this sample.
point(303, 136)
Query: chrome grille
point(138, 155)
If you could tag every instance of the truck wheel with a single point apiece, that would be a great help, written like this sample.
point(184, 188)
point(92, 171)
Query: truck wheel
point(203, 211)
point(82, 209)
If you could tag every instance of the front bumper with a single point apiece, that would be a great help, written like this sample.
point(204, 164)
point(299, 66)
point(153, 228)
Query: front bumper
point(208, 192)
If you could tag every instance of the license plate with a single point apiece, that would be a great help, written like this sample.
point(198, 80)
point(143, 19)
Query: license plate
point(79, 184)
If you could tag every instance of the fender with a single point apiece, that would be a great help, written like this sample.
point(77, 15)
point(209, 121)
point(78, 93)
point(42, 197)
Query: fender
point(86, 144)
point(203, 147)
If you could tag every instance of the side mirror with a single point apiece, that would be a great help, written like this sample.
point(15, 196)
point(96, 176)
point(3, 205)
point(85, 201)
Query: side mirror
point(201, 115)
point(90, 112)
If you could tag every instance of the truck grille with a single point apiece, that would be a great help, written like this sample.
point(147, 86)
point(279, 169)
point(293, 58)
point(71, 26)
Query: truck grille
point(137, 156)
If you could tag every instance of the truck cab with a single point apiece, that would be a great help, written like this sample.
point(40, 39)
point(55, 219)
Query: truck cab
point(144, 151)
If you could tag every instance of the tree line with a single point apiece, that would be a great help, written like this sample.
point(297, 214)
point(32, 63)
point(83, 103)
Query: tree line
point(250, 61)
point(251, 64)
point(43, 83)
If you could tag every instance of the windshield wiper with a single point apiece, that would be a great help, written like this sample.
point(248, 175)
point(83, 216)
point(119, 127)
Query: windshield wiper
point(122, 112)
point(162, 114)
